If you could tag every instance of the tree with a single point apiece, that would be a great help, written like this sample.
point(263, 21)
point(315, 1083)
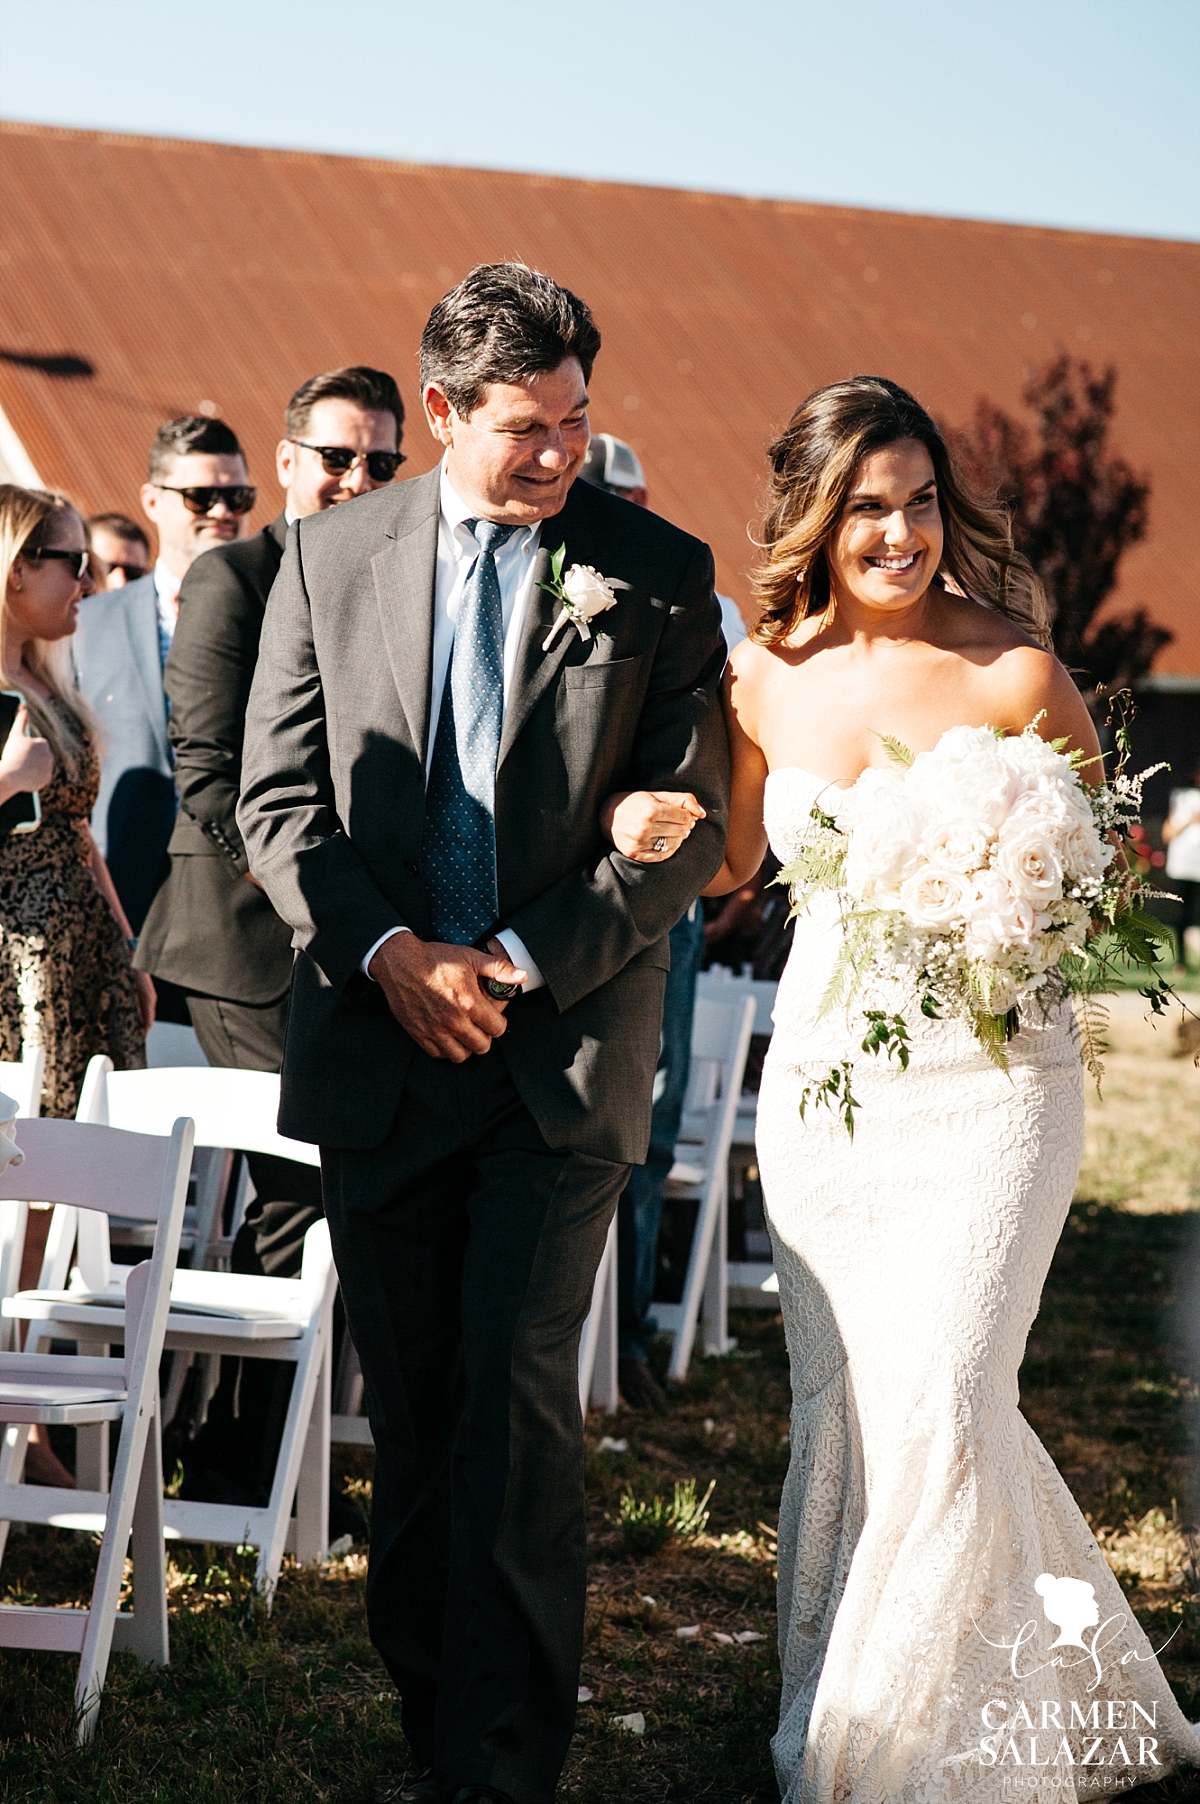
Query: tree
point(1076, 506)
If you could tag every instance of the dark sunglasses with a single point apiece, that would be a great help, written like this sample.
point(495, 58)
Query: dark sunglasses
point(131, 572)
point(239, 497)
point(78, 559)
point(381, 465)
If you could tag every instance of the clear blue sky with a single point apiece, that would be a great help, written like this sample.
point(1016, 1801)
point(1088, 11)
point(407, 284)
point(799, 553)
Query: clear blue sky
point(1060, 112)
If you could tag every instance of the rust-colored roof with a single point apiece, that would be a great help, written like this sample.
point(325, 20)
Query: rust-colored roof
point(188, 272)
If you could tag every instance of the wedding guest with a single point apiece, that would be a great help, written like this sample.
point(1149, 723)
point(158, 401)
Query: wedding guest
point(66, 983)
point(120, 550)
point(197, 495)
point(211, 929)
point(1181, 836)
point(613, 465)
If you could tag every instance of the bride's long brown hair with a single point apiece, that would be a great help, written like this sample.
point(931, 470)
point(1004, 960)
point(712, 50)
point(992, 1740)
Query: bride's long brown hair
point(812, 468)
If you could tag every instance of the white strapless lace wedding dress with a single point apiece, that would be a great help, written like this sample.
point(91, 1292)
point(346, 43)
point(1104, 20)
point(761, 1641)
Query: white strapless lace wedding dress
point(920, 1509)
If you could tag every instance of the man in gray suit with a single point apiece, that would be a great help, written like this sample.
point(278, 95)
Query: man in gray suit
point(475, 1012)
point(197, 496)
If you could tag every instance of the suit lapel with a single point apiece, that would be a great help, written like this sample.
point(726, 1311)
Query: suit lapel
point(405, 573)
point(536, 668)
point(141, 627)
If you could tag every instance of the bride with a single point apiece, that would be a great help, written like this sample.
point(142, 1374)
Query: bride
point(924, 1530)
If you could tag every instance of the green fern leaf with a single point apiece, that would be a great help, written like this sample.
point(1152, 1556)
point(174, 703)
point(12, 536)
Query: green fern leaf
point(896, 750)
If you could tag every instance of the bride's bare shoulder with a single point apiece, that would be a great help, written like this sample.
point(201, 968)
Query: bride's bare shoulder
point(754, 662)
point(1026, 684)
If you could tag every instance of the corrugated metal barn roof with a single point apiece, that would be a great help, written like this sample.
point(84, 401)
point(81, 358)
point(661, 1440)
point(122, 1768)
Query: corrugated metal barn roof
point(189, 272)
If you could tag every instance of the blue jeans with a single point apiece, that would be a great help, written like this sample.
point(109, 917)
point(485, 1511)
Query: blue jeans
point(640, 1209)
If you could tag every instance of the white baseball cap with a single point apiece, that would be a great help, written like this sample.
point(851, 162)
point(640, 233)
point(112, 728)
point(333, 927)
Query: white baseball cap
point(613, 464)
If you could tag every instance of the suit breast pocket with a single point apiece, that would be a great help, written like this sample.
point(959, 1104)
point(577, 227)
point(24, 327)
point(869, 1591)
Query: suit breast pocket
point(609, 676)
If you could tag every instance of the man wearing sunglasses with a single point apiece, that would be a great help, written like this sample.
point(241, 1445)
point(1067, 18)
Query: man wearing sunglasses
point(197, 494)
point(120, 550)
point(211, 930)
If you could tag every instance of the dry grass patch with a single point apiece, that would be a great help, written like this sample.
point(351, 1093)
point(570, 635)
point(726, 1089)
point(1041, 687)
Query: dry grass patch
point(1142, 1136)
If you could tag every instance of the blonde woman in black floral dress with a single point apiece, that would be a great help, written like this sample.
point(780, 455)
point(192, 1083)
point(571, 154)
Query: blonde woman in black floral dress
point(66, 983)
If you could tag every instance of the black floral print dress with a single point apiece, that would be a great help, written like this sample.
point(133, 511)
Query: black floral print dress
point(66, 983)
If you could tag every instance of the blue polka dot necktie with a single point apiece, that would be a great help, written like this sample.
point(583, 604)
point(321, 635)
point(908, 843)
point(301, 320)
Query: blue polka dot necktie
point(460, 801)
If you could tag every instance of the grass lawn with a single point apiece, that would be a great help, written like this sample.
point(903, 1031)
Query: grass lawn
point(295, 1706)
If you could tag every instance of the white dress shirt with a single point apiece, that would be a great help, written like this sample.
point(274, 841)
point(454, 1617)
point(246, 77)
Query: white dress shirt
point(1183, 853)
point(166, 589)
point(457, 551)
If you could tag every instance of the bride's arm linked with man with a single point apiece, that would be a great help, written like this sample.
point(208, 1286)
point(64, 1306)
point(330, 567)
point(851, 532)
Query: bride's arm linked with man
point(487, 769)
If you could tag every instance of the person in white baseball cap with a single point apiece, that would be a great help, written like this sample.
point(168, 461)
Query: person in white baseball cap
point(612, 464)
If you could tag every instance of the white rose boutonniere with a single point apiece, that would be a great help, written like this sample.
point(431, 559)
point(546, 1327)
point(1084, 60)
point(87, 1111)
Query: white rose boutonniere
point(584, 593)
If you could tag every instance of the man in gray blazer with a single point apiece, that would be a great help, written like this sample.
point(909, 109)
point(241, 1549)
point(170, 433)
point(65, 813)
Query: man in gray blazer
point(475, 1012)
point(197, 495)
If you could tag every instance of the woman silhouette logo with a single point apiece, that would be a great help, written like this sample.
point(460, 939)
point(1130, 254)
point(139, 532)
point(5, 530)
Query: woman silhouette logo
point(1070, 1604)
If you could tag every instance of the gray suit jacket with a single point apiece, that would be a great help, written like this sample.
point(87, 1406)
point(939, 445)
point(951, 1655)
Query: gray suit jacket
point(333, 800)
point(120, 675)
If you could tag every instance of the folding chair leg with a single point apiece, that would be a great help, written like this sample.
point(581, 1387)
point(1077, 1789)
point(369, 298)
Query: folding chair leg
point(110, 1567)
point(308, 1397)
point(92, 1442)
point(91, 1457)
point(312, 1487)
point(149, 1638)
point(707, 1225)
point(13, 1442)
point(716, 1285)
point(604, 1393)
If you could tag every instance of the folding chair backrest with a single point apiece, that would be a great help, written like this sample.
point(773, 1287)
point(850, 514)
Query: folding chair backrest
point(716, 1027)
point(23, 1082)
point(229, 1108)
point(83, 1166)
point(84, 1233)
point(720, 985)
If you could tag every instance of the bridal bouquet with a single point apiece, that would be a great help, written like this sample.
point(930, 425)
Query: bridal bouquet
point(988, 876)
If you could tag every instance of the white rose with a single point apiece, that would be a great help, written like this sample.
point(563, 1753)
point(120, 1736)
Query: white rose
point(1085, 853)
point(588, 592)
point(885, 835)
point(1028, 856)
point(933, 896)
point(999, 918)
point(957, 845)
point(965, 777)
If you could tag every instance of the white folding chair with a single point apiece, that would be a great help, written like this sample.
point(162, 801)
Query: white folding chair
point(598, 1342)
point(217, 1313)
point(720, 1042)
point(718, 984)
point(752, 1282)
point(81, 1166)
